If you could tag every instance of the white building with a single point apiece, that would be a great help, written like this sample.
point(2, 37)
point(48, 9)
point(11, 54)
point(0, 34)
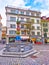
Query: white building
point(13, 14)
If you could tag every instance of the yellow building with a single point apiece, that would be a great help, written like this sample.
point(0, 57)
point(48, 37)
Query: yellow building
point(45, 29)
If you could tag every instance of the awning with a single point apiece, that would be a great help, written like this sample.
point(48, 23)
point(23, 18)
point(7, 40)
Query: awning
point(33, 39)
point(24, 37)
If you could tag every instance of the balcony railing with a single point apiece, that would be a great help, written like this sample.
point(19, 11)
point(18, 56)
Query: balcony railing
point(21, 14)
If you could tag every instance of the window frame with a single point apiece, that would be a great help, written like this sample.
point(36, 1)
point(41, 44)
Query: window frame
point(38, 21)
point(12, 26)
point(12, 32)
point(12, 18)
point(33, 33)
point(38, 33)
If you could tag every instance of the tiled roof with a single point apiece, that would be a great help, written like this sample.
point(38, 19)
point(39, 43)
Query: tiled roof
point(44, 19)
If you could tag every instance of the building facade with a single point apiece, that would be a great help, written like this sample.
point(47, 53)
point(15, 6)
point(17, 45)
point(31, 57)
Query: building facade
point(0, 29)
point(29, 23)
point(45, 28)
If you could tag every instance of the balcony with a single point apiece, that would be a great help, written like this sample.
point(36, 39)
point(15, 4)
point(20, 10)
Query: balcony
point(25, 28)
point(32, 28)
point(19, 14)
point(22, 21)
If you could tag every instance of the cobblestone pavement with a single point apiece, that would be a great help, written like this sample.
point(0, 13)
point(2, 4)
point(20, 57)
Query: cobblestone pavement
point(17, 61)
point(42, 47)
point(42, 58)
point(2, 46)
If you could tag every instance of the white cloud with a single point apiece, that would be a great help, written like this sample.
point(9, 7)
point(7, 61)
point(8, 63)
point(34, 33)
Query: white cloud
point(16, 3)
point(20, 3)
point(45, 12)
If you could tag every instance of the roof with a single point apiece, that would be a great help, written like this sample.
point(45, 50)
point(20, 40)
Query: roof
point(44, 19)
point(22, 9)
point(47, 18)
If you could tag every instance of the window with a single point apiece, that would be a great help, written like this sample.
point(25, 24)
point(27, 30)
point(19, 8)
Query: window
point(38, 33)
point(12, 18)
point(37, 21)
point(22, 32)
point(28, 32)
point(37, 14)
point(27, 19)
point(22, 19)
point(33, 27)
point(32, 14)
point(45, 24)
point(22, 26)
point(12, 26)
point(22, 12)
point(27, 13)
point(38, 27)
point(33, 33)
point(17, 11)
point(45, 34)
point(12, 32)
point(14, 11)
point(45, 30)
point(32, 20)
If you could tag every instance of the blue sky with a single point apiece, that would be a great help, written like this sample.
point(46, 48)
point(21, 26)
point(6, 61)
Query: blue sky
point(39, 5)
